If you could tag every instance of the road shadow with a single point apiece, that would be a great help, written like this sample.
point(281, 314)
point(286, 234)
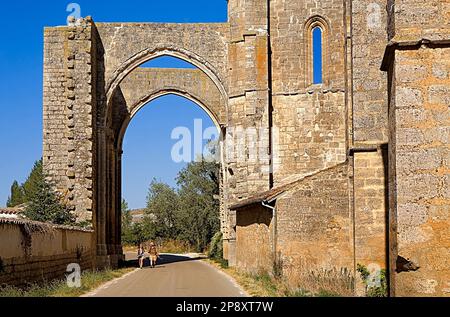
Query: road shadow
point(164, 259)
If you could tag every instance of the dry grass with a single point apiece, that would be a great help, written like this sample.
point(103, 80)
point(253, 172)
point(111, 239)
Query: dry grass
point(90, 280)
point(327, 282)
point(255, 286)
point(324, 284)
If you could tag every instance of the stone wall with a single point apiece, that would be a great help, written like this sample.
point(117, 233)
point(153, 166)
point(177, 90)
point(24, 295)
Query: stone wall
point(326, 223)
point(248, 131)
point(55, 142)
point(311, 133)
point(254, 240)
point(290, 36)
point(69, 105)
point(310, 119)
point(368, 132)
point(248, 92)
point(370, 208)
point(417, 61)
point(410, 20)
point(420, 133)
point(36, 252)
point(144, 84)
point(307, 239)
point(369, 97)
point(314, 232)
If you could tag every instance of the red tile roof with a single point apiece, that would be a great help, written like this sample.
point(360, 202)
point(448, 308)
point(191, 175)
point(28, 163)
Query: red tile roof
point(10, 211)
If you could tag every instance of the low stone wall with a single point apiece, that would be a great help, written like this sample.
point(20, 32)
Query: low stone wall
point(312, 246)
point(254, 230)
point(35, 252)
point(314, 233)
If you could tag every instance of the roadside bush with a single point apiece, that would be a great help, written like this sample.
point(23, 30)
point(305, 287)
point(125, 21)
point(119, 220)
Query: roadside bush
point(216, 247)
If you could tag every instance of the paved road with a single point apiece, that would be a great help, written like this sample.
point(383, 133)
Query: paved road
point(175, 276)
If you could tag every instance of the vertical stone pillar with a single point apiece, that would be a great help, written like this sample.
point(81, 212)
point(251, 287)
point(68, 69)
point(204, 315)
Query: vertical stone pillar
point(248, 131)
point(107, 175)
point(100, 214)
point(56, 134)
point(417, 62)
point(118, 219)
point(69, 104)
point(370, 206)
point(81, 95)
point(368, 120)
point(369, 82)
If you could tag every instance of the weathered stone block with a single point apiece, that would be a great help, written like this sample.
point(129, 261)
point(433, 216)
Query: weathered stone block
point(439, 94)
point(408, 97)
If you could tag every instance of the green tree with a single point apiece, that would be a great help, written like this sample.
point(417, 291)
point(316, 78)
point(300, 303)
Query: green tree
point(45, 205)
point(190, 214)
point(24, 193)
point(126, 214)
point(161, 212)
point(199, 207)
point(127, 230)
point(17, 195)
point(34, 181)
point(139, 233)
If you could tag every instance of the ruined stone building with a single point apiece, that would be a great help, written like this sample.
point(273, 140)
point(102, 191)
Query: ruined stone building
point(348, 165)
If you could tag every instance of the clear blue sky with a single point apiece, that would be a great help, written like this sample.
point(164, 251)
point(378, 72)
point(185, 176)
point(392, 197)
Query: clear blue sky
point(147, 143)
point(317, 55)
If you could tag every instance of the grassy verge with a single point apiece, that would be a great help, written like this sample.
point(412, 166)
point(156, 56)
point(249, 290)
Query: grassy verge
point(264, 285)
point(90, 280)
point(255, 286)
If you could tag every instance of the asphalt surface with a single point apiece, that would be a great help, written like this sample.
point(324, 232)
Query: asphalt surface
point(174, 276)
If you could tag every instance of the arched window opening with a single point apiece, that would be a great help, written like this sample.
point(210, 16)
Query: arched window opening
point(317, 55)
point(317, 51)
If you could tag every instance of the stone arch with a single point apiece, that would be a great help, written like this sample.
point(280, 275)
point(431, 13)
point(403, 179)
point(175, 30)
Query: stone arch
point(312, 23)
point(145, 84)
point(153, 95)
point(162, 50)
point(131, 88)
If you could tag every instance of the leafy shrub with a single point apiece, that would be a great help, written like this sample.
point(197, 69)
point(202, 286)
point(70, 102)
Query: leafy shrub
point(216, 247)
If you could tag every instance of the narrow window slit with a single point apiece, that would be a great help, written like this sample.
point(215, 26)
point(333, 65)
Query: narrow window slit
point(317, 55)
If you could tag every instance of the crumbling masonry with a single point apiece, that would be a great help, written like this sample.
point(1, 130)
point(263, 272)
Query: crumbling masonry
point(359, 164)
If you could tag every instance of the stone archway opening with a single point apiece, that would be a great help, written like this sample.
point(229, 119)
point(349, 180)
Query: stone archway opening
point(134, 89)
point(163, 137)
